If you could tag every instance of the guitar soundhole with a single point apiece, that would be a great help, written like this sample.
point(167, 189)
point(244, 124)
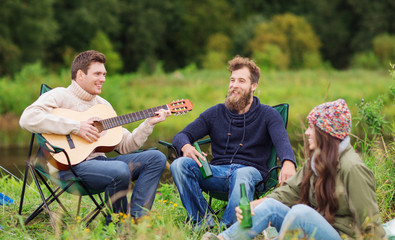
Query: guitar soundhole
point(98, 125)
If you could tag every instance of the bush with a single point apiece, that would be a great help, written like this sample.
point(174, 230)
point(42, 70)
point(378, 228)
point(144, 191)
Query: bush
point(215, 60)
point(365, 60)
point(217, 52)
point(384, 48)
point(312, 60)
point(369, 113)
point(293, 34)
point(271, 57)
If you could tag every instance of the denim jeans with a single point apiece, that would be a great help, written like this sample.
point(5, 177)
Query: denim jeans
point(113, 175)
point(225, 181)
point(284, 219)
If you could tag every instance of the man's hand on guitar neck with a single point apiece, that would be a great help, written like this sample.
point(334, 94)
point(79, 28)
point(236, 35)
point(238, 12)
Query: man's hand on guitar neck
point(88, 131)
point(160, 116)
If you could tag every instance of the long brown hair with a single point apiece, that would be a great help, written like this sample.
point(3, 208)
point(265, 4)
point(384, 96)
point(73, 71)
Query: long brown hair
point(326, 160)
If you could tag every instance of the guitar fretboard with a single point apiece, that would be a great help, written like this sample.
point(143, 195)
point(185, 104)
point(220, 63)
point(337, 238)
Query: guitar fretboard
point(131, 117)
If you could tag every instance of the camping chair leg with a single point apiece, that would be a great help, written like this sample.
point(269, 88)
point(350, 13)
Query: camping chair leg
point(23, 189)
point(53, 193)
point(102, 204)
point(26, 173)
point(46, 207)
point(211, 209)
point(46, 201)
point(92, 215)
point(98, 206)
point(79, 205)
point(50, 199)
point(209, 206)
point(96, 211)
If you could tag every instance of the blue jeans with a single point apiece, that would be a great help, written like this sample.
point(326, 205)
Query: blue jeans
point(113, 175)
point(284, 219)
point(225, 181)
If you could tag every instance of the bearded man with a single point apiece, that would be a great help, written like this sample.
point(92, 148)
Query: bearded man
point(242, 133)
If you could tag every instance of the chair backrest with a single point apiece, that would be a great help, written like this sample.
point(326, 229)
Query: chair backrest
point(44, 88)
point(283, 109)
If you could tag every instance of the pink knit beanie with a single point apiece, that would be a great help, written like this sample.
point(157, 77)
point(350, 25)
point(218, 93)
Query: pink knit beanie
point(333, 118)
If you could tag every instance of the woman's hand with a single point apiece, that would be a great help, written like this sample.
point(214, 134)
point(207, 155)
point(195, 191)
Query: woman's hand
point(253, 204)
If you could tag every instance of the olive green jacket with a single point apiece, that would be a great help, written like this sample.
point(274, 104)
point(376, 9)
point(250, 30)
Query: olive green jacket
point(358, 214)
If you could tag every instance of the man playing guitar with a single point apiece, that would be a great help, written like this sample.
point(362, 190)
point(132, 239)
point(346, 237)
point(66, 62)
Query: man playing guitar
point(98, 172)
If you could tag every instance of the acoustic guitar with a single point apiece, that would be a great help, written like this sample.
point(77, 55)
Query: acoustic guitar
point(109, 125)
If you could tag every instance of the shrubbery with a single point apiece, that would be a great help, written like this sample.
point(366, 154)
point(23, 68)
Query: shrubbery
point(383, 52)
point(218, 48)
point(296, 42)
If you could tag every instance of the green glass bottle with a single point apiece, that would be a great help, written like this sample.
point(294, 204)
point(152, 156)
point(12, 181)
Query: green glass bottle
point(205, 168)
point(245, 207)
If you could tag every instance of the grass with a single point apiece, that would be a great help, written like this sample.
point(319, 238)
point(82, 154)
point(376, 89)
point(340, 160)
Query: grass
point(168, 219)
point(131, 92)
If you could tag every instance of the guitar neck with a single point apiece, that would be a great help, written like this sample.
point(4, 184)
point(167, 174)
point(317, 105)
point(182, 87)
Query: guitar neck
point(131, 117)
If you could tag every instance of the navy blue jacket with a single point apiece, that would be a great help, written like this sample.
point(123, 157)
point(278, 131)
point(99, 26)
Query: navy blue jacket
point(240, 138)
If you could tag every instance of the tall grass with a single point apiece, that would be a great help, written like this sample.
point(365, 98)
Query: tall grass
point(128, 93)
point(168, 219)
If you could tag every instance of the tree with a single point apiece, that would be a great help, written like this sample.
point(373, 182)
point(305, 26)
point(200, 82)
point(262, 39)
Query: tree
point(201, 20)
point(102, 44)
point(80, 20)
point(26, 29)
point(243, 33)
point(143, 32)
point(292, 34)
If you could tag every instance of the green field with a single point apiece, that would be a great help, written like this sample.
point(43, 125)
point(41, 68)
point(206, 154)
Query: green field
point(132, 92)
point(128, 93)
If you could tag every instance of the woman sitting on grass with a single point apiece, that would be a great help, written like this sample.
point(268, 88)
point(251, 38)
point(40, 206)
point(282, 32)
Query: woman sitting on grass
point(332, 197)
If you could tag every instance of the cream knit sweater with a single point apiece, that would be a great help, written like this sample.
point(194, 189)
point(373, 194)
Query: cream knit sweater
point(37, 117)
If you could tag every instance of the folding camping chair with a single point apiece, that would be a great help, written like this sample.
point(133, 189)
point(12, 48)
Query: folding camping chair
point(37, 166)
point(269, 182)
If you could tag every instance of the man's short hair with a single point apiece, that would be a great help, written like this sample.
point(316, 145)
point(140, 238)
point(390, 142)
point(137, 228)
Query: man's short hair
point(83, 61)
point(239, 62)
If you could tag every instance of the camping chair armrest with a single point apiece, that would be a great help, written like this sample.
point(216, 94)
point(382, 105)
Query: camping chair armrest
point(164, 143)
point(172, 152)
point(204, 141)
point(169, 146)
point(143, 150)
point(48, 147)
point(266, 179)
point(176, 154)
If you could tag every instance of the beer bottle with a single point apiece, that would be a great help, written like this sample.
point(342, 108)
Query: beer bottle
point(245, 207)
point(205, 168)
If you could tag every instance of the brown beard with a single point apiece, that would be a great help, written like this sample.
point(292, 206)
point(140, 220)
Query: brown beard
point(234, 104)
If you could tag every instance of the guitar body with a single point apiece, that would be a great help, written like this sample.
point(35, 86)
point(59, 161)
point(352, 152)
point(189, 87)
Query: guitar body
point(80, 149)
point(110, 128)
